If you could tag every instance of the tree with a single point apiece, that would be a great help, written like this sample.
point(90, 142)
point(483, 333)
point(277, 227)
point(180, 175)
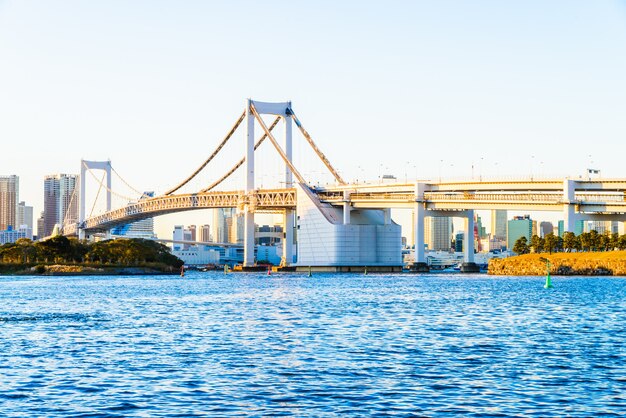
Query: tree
point(594, 240)
point(621, 242)
point(536, 244)
point(551, 242)
point(569, 241)
point(521, 246)
point(585, 241)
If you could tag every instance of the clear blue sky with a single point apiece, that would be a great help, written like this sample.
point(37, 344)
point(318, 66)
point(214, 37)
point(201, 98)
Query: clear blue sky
point(402, 87)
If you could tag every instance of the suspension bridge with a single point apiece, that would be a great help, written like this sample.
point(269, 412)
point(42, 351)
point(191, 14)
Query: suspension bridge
point(345, 224)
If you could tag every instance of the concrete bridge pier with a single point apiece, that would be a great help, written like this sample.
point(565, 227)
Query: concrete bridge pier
point(288, 222)
point(469, 266)
point(569, 207)
point(248, 238)
point(419, 210)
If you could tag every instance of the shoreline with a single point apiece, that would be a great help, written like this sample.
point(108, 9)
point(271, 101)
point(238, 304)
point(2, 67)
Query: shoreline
point(608, 263)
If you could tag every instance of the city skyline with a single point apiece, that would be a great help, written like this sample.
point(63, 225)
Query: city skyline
point(471, 90)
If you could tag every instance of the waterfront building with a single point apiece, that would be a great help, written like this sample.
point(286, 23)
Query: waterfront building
point(198, 255)
point(499, 224)
point(437, 233)
point(177, 236)
point(60, 201)
point(268, 235)
point(11, 235)
point(9, 198)
point(519, 226)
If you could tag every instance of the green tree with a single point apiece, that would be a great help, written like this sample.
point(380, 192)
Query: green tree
point(521, 246)
point(569, 241)
point(594, 240)
point(621, 242)
point(551, 243)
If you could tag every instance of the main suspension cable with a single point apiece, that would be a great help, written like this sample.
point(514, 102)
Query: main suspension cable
point(319, 153)
point(219, 147)
point(126, 183)
point(240, 162)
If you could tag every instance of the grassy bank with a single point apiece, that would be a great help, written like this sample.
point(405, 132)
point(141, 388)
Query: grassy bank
point(567, 264)
point(75, 269)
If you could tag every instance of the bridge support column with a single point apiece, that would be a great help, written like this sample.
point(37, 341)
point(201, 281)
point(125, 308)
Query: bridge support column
point(248, 239)
point(84, 166)
point(419, 210)
point(287, 257)
point(469, 266)
point(468, 250)
point(569, 208)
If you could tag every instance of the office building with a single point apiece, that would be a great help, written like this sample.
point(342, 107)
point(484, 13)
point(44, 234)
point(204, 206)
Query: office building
point(499, 224)
point(25, 215)
point(205, 233)
point(519, 226)
point(40, 226)
point(11, 235)
point(221, 224)
point(191, 231)
point(438, 233)
point(9, 198)
point(482, 231)
point(60, 201)
point(545, 228)
point(458, 241)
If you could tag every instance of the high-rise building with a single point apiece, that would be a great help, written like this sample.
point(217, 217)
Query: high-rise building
point(221, 224)
point(192, 232)
point(437, 233)
point(60, 202)
point(458, 241)
point(482, 231)
point(545, 228)
point(25, 215)
point(177, 236)
point(499, 224)
point(519, 226)
point(9, 198)
point(205, 233)
point(236, 230)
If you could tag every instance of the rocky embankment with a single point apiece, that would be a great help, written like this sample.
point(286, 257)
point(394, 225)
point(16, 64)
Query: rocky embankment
point(610, 263)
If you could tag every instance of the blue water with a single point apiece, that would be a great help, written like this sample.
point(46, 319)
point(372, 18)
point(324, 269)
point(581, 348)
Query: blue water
point(244, 344)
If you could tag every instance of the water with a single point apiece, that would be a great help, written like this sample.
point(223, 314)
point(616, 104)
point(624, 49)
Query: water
point(245, 344)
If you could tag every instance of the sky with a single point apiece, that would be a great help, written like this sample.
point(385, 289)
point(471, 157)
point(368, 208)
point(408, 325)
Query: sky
point(425, 89)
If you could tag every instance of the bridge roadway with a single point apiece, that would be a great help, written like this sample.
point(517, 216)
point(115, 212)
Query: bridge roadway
point(589, 197)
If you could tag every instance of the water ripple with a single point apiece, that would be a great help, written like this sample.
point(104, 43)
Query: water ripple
point(223, 345)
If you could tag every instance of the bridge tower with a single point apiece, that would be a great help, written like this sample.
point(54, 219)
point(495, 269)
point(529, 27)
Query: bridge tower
point(282, 109)
point(92, 165)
